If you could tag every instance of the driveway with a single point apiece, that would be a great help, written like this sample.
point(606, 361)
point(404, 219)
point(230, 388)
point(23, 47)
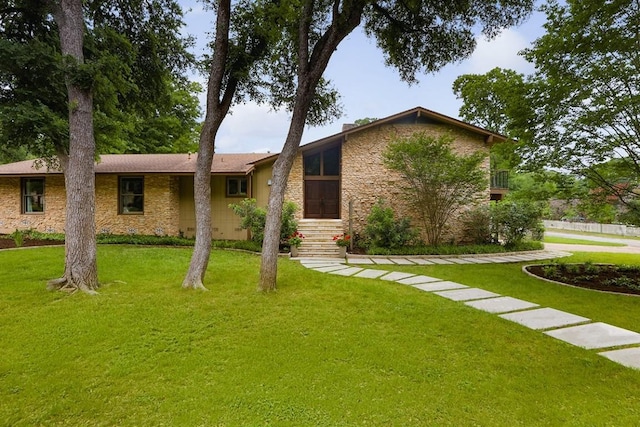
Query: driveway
point(633, 245)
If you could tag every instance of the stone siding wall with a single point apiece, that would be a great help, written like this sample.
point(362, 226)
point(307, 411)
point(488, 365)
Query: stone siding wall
point(295, 185)
point(365, 179)
point(161, 207)
point(51, 220)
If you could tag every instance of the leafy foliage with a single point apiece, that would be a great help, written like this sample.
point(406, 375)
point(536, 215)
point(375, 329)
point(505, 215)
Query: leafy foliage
point(513, 221)
point(135, 60)
point(439, 182)
point(253, 218)
point(586, 92)
point(384, 230)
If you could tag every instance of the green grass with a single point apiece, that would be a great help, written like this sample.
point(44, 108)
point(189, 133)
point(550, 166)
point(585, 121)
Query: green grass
point(569, 241)
point(322, 351)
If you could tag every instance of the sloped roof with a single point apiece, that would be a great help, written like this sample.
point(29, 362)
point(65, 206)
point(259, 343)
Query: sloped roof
point(418, 112)
point(223, 164)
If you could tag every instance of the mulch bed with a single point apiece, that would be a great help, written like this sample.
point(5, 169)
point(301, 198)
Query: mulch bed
point(6, 243)
point(608, 278)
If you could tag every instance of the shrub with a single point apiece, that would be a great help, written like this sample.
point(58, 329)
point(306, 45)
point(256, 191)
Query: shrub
point(512, 221)
point(383, 230)
point(253, 218)
point(476, 225)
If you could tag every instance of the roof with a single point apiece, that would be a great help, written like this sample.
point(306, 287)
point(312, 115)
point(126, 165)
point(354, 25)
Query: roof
point(415, 113)
point(223, 164)
point(490, 137)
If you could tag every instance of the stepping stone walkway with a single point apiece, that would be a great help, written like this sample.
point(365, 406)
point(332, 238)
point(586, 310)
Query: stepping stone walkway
point(567, 327)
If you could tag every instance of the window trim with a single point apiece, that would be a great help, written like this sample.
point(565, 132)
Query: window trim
point(23, 196)
point(121, 209)
point(239, 179)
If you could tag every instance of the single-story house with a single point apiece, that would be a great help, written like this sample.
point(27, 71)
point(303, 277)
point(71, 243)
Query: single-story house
point(337, 178)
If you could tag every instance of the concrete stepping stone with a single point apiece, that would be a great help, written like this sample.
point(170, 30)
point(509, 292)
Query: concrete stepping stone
point(596, 335)
point(439, 286)
point(402, 261)
point(415, 280)
point(629, 357)
point(421, 261)
point(350, 271)
point(467, 294)
point(371, 274)
point(381, 260)
point(460, 261)
point(330, 268)
point(319, 264)
point(440, 261)
point(544, 318)
point(396, 275)
point(360, 261)
point(501, 304)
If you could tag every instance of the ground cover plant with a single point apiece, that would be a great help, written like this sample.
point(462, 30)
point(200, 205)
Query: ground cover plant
point(603, 277)
point(324, 350)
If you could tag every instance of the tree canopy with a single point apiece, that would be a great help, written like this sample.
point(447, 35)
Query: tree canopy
point(586, 92)
point(135, 60)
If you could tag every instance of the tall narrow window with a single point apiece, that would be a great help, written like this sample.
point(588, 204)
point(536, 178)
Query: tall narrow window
point(32, 195)
point(237, 186)
point(131, 195)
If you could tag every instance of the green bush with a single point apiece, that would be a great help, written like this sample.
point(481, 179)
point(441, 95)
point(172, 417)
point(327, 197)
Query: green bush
point(383, 230)
point(253, 218)
point(513, 221)
point(476, 226)
point(455, 249)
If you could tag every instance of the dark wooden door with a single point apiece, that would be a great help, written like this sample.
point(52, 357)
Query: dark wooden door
point(322, 199)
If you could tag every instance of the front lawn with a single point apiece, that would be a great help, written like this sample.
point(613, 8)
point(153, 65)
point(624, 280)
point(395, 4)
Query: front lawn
point(322, 351)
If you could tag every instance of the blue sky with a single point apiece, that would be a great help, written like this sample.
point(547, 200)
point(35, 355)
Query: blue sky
point(368, 88)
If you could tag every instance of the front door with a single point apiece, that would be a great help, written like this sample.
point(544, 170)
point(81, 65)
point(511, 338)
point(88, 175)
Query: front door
point(322, 183)
point(322, 199)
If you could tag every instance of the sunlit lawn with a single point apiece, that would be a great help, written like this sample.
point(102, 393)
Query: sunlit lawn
point(570, 241)
point(322, 351)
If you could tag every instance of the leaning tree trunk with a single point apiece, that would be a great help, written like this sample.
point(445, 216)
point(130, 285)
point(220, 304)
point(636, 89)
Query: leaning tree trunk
point(280, 176)
point(217, 108)
point(81, 271)
point(202, 197)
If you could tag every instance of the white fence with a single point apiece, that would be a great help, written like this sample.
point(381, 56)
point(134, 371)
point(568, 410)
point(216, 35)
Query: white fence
point(593, 227)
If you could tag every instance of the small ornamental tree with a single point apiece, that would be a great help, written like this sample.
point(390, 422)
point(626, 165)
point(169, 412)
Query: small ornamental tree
point(439, 182)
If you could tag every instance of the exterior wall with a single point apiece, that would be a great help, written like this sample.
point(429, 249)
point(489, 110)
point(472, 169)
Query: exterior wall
point(51, 221)
point(225, 224)
point(364, 178)
point(161, 207)
point(295, 185)
point(260, 189)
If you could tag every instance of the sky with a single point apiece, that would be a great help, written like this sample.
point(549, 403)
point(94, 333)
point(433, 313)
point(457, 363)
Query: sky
point(368, 88)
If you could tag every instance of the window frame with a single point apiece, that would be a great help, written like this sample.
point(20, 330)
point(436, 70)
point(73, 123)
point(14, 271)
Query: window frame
point(238, 179)
point(24, 195)
point(121, 207)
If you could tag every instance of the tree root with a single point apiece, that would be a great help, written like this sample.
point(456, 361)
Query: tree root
point(196, 285)
point(65, 285)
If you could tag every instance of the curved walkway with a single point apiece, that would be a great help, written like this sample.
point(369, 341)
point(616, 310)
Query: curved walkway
point(619, 345)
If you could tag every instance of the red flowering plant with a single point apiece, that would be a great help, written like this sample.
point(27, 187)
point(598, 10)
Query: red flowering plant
point(342, 240)
point(295, 240)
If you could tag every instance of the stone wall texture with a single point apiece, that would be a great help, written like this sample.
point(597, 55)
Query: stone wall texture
point(161, 207)
point(365, 179)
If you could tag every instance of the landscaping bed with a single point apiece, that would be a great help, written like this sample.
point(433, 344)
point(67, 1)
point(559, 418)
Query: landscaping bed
point(602, 277)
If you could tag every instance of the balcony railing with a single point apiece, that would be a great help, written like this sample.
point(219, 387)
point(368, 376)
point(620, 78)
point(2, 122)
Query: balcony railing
point(500, 180)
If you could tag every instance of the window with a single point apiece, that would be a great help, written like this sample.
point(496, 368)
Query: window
point(131, 195)
point(323, 163)
point(32, 195)
point(236, 186)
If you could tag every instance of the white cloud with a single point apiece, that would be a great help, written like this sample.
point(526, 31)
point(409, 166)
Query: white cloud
point(253, 128)
point(499, 52)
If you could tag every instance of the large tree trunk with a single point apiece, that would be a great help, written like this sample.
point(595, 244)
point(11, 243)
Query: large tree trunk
point(81, 271)
point(311, 67)
point(280, 176)
point(202, 197)
point(217, 109)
